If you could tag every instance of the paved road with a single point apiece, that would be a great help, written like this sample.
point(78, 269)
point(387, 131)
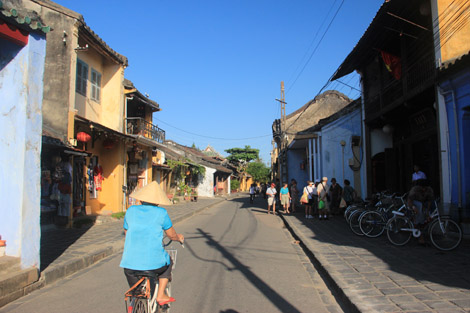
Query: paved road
point(237, 259)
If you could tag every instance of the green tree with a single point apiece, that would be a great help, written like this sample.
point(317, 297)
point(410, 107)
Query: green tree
point(259, 171)
point(242, 155)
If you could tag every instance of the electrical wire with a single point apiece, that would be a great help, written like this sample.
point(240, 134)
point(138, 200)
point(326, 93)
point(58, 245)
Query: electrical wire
point(316, 47)
point(216, 138)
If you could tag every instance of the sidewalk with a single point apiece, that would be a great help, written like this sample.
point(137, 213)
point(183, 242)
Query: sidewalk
point(66, 251)
point(372, 275)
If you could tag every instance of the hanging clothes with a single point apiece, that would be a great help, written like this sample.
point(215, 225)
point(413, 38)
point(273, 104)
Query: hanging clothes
point(98, 175)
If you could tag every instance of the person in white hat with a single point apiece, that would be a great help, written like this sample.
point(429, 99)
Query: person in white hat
point(144, 225)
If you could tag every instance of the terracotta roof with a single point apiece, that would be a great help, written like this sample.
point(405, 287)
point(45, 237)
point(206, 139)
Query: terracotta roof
point(318, 97)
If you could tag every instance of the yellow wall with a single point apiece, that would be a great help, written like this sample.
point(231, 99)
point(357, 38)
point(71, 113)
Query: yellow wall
point(111, 197)
point(109, 110)
point(452, 44)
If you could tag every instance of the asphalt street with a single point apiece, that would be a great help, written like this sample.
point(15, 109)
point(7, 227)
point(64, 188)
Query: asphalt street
point(236, 258)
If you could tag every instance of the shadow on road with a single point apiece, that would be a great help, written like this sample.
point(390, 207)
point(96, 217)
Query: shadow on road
point(425, 264)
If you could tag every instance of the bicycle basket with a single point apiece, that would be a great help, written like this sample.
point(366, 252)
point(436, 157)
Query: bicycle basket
point(172, 253)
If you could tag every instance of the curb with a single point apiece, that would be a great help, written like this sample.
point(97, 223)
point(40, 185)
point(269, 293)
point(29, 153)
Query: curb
point(52, 275)
point(343, 300)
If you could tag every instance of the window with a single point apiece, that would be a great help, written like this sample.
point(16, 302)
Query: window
point(95, 85)
point(82, 76)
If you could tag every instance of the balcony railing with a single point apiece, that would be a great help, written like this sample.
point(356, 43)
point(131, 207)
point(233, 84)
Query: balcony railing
point(414, 80)
point(139, 126)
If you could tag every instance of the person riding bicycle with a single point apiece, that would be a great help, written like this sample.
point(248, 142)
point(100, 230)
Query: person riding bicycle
point(144, 254)
point(420, 199)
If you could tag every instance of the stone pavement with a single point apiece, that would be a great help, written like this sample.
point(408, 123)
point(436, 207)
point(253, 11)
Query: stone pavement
point(66, 251)
point(372, 275)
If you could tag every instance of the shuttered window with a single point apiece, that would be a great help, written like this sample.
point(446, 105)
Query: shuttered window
point(82, 76)
point(95, 85)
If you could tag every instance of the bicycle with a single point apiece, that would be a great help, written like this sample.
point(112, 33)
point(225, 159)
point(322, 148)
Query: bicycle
point(372, 223)
point(444, 233)
point(138, 298)
point(355, 216)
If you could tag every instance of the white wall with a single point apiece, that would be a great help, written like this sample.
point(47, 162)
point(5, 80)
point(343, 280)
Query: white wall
point(206, 186)
point(379, 141)
point(21, 81)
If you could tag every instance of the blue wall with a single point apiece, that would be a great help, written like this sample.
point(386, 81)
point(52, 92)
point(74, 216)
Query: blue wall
point(457, 92)
point(21, 88)
point(294, 158)
point(332, 152)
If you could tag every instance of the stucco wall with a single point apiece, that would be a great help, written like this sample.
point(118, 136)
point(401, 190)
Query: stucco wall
point(206, 185)
point(454, 30)
point(21, 81)
point(110, 198)
point(335, 158)
point(109, 110)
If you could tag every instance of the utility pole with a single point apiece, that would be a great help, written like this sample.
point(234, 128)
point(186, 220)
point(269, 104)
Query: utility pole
point(282, 154)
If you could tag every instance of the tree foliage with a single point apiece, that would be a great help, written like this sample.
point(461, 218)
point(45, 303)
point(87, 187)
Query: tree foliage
point(259, 171)
point(242, 155)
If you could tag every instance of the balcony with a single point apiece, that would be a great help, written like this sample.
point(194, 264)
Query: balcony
point(415, 79)
point(139, 127)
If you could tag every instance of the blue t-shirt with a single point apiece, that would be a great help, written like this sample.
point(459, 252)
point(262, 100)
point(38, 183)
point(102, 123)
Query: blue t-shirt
point(143, 249)
point(284, 191)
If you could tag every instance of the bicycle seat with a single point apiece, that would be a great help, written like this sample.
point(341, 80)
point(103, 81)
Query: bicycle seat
point(150, 274)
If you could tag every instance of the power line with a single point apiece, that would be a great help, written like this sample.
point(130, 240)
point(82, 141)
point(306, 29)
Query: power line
point(316, 47)
point(216, 138)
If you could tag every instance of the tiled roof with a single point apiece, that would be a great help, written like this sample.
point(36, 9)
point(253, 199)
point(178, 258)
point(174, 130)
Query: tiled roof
point(72, 14)
point(133, 90)
point(24, 19)
point(455, 63)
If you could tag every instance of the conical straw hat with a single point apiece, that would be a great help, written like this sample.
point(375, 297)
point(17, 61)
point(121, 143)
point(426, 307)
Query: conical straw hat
point(151, 193)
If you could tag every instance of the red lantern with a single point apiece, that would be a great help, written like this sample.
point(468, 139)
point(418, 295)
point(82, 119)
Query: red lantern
point(83, 137)
point(108, 144)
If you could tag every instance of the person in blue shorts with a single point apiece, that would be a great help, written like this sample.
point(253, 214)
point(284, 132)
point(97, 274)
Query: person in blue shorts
point(144, 253)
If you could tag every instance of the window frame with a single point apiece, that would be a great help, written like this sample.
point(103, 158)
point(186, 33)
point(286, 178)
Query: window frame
point(81, 83)
point(95, 85)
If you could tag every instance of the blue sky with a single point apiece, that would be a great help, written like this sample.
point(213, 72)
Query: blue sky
point(215, 66)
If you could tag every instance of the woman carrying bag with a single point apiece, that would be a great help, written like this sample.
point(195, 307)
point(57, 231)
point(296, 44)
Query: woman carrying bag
point(322, 190)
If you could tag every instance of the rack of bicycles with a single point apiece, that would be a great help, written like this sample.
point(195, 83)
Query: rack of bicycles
point(390, 214)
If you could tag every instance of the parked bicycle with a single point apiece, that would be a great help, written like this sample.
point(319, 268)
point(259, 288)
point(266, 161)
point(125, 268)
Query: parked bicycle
point(138, 298)
point(444, 233)
point(372, 223)
point(383, 201)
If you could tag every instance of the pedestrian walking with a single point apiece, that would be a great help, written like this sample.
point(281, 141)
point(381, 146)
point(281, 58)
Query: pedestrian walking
point(294, 193)
point(271, 194)
point(252, 192)
point(263, 190)
point(310, 190)
point(335, 196)
point(349, 194)
point(323, 197)
point(285, 198)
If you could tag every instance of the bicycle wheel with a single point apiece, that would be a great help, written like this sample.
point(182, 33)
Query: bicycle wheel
point(399, 230)
point(372, 224)
point(354, 222)
point(445, 235)
point(349, 210)
point(140, 306)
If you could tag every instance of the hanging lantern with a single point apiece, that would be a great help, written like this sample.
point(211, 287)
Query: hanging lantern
point(108, 143)
point(83, 137)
